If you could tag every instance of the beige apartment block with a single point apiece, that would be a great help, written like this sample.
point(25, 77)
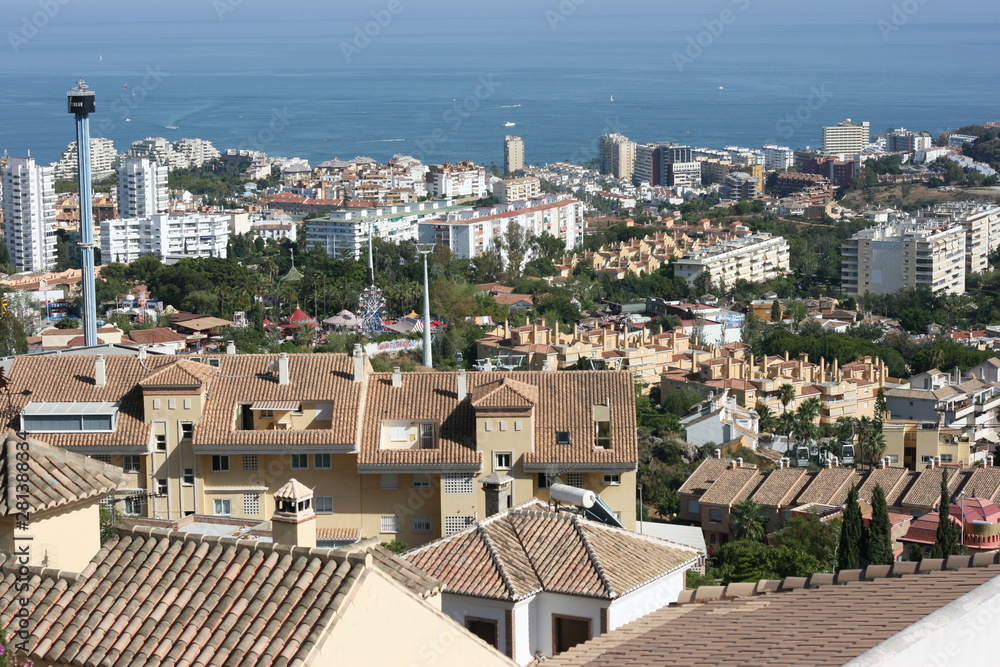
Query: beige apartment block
point(755, 257)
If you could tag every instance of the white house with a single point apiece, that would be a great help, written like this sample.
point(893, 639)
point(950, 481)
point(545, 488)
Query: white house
point(720, 419)
point(534, 582)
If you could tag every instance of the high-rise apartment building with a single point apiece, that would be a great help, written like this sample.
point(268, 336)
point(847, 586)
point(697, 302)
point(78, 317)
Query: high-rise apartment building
point(684, 175)
point(778, 157)
point(646, 168)
point(739, 185)
point(103, 160)
point(165, 236)
point(846, 137)
point(902, 140)
point(513, 154)
point(904, 255)
point(617, 156)
point(755, 258)
point(142, 188)
point(29, 214)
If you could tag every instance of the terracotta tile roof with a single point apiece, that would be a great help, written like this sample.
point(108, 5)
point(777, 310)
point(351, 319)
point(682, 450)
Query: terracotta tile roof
point(404, 572)
point(505, 393)
point(153, 596)
point(528, 549)
point(733, 485)
point(58, 477)
point(926, 488)
point(780, 487)
point(320, 378)
point(565, 401)
point(181, 373)
point(702, 479)
point(679, 631)
point(984, 483)
point(512, 299)
point(829, 486)
point(71, 378)
point(894, 482)
point(153, 336)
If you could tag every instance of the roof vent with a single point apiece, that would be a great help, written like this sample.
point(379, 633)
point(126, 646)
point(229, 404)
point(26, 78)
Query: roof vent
point(718, 453)
point(397, 377)
point(100, 371)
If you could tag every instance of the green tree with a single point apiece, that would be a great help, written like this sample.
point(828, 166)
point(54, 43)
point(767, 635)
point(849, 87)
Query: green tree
point(786, 394)
point(880, 530)
point(396, 546)
point(68, 323)
point(815, 537)
point(12, 339)
point(775, 312)
point(849, 550)
point(948, 531)
point(747, 521)
point(746, 560)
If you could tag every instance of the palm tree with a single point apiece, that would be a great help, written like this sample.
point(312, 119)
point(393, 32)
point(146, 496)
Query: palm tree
point(875, 446)
point(746, 521)
point(766, 421)
point(786, 425)
point(786, 394)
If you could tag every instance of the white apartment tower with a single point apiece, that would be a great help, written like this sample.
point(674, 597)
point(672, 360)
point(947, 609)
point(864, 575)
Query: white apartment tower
point(755, 258)
point(513, 154)
point(29, 214)
point(165, 236)
point(895, 256)
point(846, 137)
point(778, 157)
point(617, 156)
point(142, 188)
point(103, 160)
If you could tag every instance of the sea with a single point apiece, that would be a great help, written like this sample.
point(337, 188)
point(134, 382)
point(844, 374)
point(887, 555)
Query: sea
point(446, 81)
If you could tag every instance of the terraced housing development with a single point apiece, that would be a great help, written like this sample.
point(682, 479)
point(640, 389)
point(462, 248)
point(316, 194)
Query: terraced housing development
point(385, 454)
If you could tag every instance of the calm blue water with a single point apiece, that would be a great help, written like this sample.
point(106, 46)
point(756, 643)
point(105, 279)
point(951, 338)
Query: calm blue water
point(440, 79)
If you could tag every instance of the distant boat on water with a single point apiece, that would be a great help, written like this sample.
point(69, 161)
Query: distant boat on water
point(721, 88)
point(509, 124)
point(612, 98)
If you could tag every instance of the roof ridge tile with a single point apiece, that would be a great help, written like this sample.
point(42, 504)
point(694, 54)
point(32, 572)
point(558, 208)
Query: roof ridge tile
point(594, 560)
point(497, 562)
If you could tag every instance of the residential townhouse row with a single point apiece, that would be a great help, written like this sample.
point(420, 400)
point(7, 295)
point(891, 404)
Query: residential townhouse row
point(707, 497)
point(399, 456)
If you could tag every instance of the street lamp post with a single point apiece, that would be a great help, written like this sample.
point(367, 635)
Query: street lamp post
point(425, 249)
point(639, 486)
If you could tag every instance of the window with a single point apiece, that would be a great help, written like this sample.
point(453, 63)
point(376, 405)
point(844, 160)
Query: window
point(421, 482)
point(103, 458)
point(187, 430)
point(427, 436)
point(220, 463)
point(187, 403)
point(457, 483)
point(603, 431)
point(488, 425)
point(300, 461)
point(267, 414)
point(715, 516)
point(926, 459)
point(543, 480)
point(251, 504)
point(222, 507)
point(171, 404)
point(161, 442)
point(693, 506)
point(503, 424)
point(161, 487)
point(517, 424)
point(131, 463)
point(562, 437)
point(133, 505)
point(388, 481)
point(324, 504)
point(575, 479)
point(188, 476)
point(612, 480)
point(421, 524)
point(390, 524)
point(456, 524)
point(945, 458)
point(249, 463)
point(893, 458)
point(484, 628)
point(156, 404)
point(322, 461)
point(397, 433)
point(502, 460)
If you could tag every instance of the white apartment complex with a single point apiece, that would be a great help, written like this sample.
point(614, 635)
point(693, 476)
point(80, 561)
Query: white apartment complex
point(344, 232)
point(165, 236)
point(684, 174)
point(142, 188)
point(517, 189)
point(195, 152)
point(778, 157)
point(29, 214)
point(904, 255)
point(617, 155)
point(513, 154)
point(472, 232)
point(103, 160)
point(982, 230)
point(755, 257)
point(846, 137)
point(450, 181)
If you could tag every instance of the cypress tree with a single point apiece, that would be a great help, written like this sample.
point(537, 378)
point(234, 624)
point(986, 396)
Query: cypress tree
point(948, 532)
point(776, 312)
point(849, 551)
point(880, 531)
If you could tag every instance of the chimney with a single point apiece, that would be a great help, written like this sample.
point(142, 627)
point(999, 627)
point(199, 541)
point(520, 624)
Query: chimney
point(397, 377)
point(100, 372)
point(488, 365)
point(294, 520)
point(359, 363)
point(828, 464)
point(937, 461)
point(781, 464)
point(496, 486)
point(718, 453)
point(283, 369)
point(230, 347)
point(989, 460)
point(738, 463)
point(547, 364)
point(462, 385)
point(142, 352)
point(836, 462)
